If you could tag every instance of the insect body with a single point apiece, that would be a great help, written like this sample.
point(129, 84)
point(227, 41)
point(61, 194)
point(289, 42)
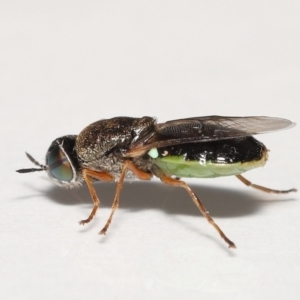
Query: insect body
point(212, 159)
point(126, 148)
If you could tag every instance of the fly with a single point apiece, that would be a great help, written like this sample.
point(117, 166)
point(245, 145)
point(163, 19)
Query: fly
point(125, 148)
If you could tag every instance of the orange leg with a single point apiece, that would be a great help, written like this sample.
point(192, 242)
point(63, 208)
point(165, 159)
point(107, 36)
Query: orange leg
point(128, 165)
point(88, 176)
point(262, 188)
point(176, 182)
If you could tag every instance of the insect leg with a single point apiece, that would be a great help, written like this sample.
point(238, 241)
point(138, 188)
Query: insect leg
point(128, 165)
point(88, 176)
point(175, 182)
point(262, 188)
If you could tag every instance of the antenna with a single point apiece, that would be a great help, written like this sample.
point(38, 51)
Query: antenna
point(42, 167)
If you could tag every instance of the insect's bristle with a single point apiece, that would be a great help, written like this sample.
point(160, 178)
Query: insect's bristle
point(32, 159)
point(29, 170)
point(41, 167)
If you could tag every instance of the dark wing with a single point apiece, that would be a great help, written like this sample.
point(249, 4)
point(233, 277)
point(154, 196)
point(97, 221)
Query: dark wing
point(204, 129)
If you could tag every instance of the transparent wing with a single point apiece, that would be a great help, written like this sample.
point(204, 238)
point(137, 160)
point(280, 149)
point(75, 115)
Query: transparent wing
point(204, 129)
point(214, 127)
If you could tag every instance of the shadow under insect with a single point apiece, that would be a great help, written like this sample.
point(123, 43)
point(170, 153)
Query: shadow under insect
point(139, 196)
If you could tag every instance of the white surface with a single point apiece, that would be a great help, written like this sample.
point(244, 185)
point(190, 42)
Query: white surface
point(65, 64)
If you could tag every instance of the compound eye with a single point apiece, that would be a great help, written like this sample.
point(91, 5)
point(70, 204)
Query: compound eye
point(59, 166)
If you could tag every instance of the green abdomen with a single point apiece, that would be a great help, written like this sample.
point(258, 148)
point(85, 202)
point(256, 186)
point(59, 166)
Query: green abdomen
point(212, 159)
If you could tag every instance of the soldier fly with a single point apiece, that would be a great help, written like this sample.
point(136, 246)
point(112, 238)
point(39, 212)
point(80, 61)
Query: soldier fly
point(125, 148)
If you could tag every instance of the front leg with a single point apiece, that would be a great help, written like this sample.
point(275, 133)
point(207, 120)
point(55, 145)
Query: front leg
point(88, 176)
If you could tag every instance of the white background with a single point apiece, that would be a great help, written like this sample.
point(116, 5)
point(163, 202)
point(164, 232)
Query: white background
point(65, 64)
